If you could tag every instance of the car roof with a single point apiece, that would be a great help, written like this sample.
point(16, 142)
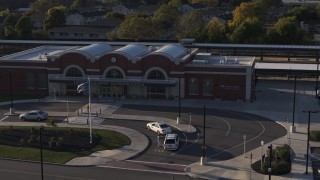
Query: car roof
point(171, 136)
point(159, 123)
point(35, 111)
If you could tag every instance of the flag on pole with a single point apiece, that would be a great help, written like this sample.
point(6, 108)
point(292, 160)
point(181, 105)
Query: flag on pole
point(84, 87)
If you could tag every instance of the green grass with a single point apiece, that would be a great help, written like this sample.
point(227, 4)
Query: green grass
point(107, 140)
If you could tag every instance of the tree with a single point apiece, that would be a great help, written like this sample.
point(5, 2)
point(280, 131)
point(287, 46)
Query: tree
point(318, 9)
point(4, 13)
point(76, 4)
point(242, 12)
point(9, 32)
point(177, 3)
point(166, 15)
point(302, 13)
point(138, 28)
point(54, 18)
point(23, 28)
point(10, 20)
point(285, 31)
point(207, 2)
point(216, 31)
point(250, 31)
point(237, 2)
point(112, 15)
point(267, 3)
point(191, 25)
point(44, 5)
point(9, 26)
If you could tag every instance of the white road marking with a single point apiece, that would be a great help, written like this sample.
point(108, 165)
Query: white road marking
point(229, 127)
point(241, 144)
point(185, 143)
point(144, 170)
point(145, 162)
point(4, 118)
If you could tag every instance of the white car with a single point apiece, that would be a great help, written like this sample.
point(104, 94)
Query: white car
point(34, 115)
point(171, 142)
point(159, 127)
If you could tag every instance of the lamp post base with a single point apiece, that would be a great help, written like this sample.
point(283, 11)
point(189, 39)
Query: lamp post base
point(292, 129)
point(203, 161)
point(12, 111)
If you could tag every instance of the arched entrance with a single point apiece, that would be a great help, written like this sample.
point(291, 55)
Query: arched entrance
point(156, 91)
point(71, 87)
point(113, 89)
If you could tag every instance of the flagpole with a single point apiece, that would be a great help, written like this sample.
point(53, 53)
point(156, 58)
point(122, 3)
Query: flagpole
point(90, 110)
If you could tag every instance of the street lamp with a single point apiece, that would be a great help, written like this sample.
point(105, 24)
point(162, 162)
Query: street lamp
point(262, 143)
point(190, 120)
point(317, 76)
point(41, 161)
point(203, 158)
point(67, 109)
point(309, 114)
point(270, 159)
point(11, 104)
point(244, 145)
point(292, 128)
point(179, 97)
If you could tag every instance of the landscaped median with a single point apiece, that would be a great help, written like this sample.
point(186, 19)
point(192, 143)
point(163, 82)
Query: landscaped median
point(59, 144)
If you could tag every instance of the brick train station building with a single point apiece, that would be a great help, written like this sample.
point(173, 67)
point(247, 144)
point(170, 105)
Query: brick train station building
point(131, 71)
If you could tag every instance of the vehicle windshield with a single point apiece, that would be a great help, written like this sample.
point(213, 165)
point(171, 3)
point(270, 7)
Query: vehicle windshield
point(170, 141)
point(163, 125)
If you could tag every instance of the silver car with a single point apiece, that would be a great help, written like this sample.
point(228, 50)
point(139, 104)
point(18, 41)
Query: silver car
point(34, 115)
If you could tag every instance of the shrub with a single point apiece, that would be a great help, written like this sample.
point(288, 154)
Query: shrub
point(32, 130)
point(283, 153)
point(23, 141)
point(282, 167)
point(32, 139)
point(51, 122)
point(314, 135)
point(59, 142)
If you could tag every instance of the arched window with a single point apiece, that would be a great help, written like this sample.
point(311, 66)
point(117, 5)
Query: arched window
point(74, 72)
point(156, 74)
point(72, 86)
point(156, 91)
point(114, 73)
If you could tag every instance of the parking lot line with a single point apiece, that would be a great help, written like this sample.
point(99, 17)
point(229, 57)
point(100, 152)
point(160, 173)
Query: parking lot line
point(4, 118)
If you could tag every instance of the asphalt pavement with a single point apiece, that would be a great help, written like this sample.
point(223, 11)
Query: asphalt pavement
point(274, 101)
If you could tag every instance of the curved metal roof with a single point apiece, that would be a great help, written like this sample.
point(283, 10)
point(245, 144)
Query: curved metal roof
point(172, 51)
point(132, 50)
point(95, 49)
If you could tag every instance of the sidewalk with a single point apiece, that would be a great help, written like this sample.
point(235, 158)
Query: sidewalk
point(274, 101)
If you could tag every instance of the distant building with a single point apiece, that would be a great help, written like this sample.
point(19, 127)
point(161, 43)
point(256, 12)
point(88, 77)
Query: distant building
point(78, 33)
point(131, 71)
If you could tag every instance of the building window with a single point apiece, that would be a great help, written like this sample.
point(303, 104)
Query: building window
point(193, 86)
point(207, 87)
point(30, 81)
point(156, 91)
point(114, 73)
point(64, 34)
point(155, 74)
point(93, 35)
point(74, 72)
point(43, 81)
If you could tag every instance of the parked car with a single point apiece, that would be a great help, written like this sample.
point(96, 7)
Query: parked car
point(171, 142)
point(159, 127)
point(34, 115)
